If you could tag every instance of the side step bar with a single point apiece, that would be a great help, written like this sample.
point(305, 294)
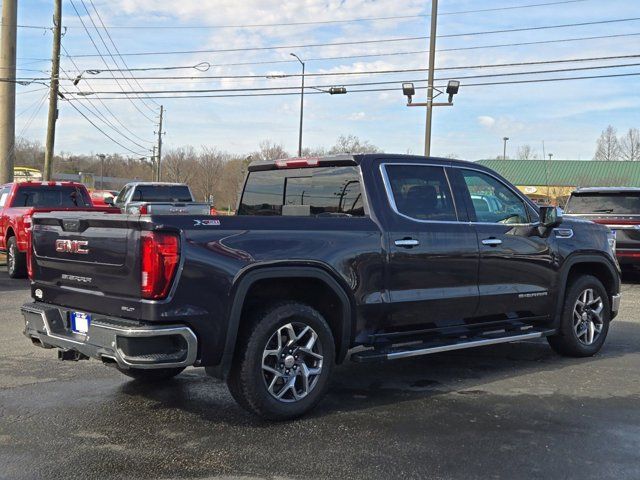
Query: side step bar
point(394, 353)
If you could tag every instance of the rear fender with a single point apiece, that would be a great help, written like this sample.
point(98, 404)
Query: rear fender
point(244, 283)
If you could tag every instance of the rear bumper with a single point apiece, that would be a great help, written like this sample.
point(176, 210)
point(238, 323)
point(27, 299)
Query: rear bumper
point(126, 343)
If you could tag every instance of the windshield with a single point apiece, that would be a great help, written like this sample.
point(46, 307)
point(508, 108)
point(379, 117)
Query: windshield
point(623, 203)
point(51, 196)
point(162, 193)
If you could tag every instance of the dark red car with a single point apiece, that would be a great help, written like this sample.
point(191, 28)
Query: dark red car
point(619, 209)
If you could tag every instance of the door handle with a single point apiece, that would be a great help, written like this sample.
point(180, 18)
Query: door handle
point(407, 242)
point(492, 242)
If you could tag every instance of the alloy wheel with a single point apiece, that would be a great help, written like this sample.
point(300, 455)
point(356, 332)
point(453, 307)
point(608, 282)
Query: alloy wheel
point(11, 258)
point(587, 317)
point(292, 362)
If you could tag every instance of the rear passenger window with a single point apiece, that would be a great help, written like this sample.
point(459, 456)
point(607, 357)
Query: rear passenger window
point(324, 191)
point(421, 192)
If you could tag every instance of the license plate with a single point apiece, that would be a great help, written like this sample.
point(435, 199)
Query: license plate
point(80, 322)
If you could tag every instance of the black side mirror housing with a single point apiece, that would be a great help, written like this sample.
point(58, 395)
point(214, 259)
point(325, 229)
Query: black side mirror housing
point(109, 201)
point(550, 216)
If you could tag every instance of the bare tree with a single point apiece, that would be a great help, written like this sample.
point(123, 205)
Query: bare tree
point(526, 152)
point(209, 172)
point(630, 145)
point(608, 146)
point(352, 144)
point(269, 151)
point(180, 165)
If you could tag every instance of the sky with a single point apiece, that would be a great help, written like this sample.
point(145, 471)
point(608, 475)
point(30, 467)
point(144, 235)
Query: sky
point(567, 116)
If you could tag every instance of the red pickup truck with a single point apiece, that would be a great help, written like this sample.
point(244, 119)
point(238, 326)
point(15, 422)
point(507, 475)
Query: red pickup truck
point(19, 201)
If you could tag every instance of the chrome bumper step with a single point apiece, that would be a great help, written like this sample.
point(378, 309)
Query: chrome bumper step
point(427, 348)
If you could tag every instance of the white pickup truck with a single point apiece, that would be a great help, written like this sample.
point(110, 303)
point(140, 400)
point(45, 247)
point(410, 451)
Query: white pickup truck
point(159, 198)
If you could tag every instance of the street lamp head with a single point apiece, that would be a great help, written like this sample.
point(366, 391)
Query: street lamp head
point(505, 138)
point(408, 90)
point(452, 88)
point(297, 58)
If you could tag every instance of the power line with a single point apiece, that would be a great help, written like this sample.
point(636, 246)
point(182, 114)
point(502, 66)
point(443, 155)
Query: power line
point(257, 89)
point(370, 72)
point(114, 46)
point(103, 132)
point(109, 50)
point(102, 57)
point(390, 54)
point(373, 41)
point(333, 22)
point(101, 117)
point(510, 82)
point(115, 117)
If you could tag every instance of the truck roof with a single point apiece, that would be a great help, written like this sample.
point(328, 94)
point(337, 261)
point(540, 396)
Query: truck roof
point(160, 184)
point(607, 190)
point(46, 184)
point(349, 159)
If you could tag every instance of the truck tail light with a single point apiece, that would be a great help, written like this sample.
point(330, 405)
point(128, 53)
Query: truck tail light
point(160, 254)
point(297, 163)
point(144, 210)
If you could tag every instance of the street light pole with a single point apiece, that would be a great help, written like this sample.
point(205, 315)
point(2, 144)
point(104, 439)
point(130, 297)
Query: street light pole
point(432, 63)
point(504, 148)
point(301, 106)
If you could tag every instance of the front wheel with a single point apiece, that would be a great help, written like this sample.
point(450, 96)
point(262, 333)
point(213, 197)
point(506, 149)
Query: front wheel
point(283, 362)
point(585, 319)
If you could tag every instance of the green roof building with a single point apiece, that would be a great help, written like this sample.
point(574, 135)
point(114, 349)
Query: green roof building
point(554, 180)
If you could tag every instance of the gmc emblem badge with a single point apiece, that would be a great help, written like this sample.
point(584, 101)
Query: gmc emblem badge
point(72, 246)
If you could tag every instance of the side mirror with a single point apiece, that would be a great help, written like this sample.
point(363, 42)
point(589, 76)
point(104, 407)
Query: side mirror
point(109, 201)
point(550, 216)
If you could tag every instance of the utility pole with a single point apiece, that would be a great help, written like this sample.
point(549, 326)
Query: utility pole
point(160, 143)
point(432, 64)
point(53, 90)
point(8, 89)
point(301, 106)
point(504, 148)
point(154, 165)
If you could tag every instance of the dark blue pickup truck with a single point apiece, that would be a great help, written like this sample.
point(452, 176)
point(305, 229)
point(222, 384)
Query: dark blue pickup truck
point(397, 255)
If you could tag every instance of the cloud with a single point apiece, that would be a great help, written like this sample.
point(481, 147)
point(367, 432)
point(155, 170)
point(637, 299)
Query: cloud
point(357, 116)
point(486, 121)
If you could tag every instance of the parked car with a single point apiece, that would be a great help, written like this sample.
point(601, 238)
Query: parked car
point(616, 207)
point(159, 198)
point(18, 203)
point(382, 252)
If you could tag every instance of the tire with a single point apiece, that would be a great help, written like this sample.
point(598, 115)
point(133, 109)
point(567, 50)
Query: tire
point(16, 260)
point(583, 330)
point(256, 385)
point(150, 375)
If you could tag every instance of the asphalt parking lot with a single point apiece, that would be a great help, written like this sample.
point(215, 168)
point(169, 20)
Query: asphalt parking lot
point(511, 411)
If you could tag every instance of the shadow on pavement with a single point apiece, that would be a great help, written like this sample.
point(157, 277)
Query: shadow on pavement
point(359, 387)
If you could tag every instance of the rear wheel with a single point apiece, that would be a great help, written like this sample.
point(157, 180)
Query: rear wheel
point(151, 375)
point(282, 367)
point(16, 260)
point(585, 319)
